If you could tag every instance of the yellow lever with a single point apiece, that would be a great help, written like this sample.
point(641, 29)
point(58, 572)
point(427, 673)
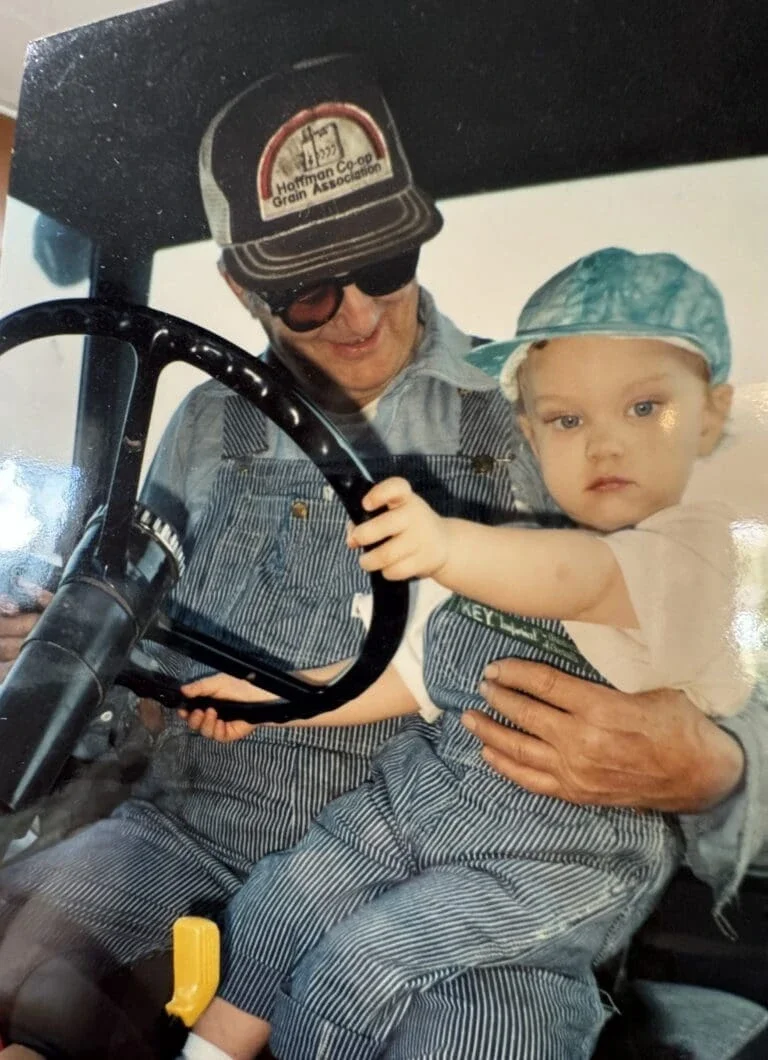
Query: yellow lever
point(195, 967)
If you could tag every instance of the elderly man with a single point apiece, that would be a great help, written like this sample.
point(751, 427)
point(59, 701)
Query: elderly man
point(310, 196)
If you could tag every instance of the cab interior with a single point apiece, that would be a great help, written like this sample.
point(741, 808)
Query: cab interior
point(649, 108)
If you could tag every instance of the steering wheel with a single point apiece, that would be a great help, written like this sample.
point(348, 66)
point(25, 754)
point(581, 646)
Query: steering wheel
point(128, 559)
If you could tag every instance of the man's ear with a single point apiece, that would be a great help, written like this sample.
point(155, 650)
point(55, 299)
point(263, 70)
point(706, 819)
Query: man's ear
point(719, 400)
point(233, 285)
point(248, 299)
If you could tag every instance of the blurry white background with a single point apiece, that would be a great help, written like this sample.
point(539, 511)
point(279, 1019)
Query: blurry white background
point(493, 252)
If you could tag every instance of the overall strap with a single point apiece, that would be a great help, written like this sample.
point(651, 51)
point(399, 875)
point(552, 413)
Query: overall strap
point(245, 428)
point(488, 427)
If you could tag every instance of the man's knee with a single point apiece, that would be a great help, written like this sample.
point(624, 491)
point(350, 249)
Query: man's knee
point(65, 1013)
point(49, 974)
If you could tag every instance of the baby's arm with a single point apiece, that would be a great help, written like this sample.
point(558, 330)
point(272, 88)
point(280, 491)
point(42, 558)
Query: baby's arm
point(387, 697)
point(564, 574)
point(221, 686)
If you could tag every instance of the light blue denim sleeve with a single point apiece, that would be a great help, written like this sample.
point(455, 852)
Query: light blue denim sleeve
point(722, 843)
point(180, 476)
point(163, 489)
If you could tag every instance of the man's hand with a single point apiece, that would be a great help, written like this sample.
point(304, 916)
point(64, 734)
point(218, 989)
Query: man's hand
point(15, 625)
point(415, 538)
point(593, 745)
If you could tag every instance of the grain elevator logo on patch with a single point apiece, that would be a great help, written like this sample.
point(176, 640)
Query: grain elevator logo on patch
point(320, 154)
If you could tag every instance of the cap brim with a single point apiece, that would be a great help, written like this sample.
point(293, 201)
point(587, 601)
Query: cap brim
point(492, 356)
point(321, 249)
point(501, 360)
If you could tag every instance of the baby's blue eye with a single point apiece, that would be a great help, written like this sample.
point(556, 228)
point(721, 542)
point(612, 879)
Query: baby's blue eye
point(643, 408)
point(567, 423)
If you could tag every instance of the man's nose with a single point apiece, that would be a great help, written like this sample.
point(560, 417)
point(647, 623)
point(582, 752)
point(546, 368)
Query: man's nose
point(358, 311)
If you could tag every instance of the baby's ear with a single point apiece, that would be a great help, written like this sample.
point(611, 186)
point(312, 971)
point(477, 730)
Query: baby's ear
point(719, 400)
point(525, 426)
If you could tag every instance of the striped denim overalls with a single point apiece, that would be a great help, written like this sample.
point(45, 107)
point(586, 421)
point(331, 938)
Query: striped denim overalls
point(439, 870)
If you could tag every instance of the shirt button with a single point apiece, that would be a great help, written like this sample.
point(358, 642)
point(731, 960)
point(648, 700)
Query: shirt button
point(300, 510)
point(483, 464)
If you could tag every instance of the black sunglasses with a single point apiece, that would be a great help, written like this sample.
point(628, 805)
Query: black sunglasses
point(307, 308)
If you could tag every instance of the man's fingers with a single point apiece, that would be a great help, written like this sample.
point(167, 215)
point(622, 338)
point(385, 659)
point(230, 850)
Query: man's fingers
point(548, 723)
point(16, 627)
point(9, 650)
point(8, 606)
point(571, 694)
point(526, 750)
point(13, 629)
point(41, 597)
point(519, 757)
point(531, 779)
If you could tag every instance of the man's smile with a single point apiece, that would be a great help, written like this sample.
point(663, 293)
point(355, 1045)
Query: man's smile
point(354, 348)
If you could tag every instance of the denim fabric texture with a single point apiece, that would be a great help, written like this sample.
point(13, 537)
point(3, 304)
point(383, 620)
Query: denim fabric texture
point(206, 812)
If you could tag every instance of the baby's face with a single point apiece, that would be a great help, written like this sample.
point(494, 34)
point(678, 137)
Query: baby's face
point(617, 424)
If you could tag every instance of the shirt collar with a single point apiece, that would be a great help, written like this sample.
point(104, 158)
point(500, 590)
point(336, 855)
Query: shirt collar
point(443, 348)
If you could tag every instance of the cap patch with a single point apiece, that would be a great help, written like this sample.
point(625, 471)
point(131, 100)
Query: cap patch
point(322, 153)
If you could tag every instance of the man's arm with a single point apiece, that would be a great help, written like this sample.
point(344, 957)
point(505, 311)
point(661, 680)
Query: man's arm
point(723, 843)
point(653, 750)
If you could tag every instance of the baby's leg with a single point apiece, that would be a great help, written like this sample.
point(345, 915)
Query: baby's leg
point(291, 899)
point(496, 1013)
point(351, 992)
point(223, 1032)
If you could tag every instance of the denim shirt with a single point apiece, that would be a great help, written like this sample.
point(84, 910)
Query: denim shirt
point(722, 843)
point(419, 413)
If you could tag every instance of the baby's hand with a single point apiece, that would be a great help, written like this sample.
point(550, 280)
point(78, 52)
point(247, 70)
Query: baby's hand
point(414, 538)
point(221, 686)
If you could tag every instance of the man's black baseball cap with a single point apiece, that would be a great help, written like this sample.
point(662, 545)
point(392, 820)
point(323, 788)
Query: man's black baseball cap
point(304, 177)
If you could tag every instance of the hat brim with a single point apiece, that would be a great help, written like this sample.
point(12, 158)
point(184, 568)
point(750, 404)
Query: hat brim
point(501, 360)
point(333, 247)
